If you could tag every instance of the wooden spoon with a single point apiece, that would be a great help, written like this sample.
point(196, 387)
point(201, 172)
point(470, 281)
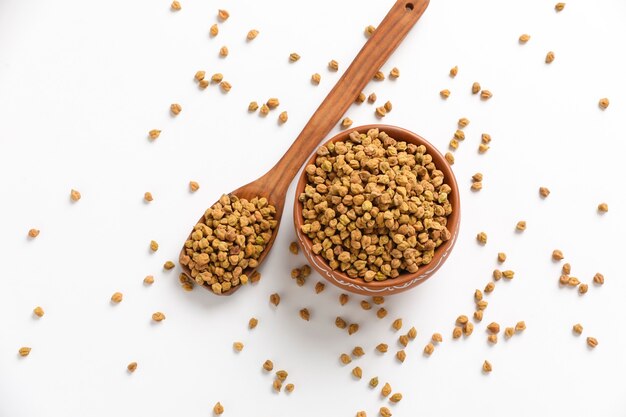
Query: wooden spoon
point(274, 184)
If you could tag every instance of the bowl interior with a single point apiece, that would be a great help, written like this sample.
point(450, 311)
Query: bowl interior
point(441, 252)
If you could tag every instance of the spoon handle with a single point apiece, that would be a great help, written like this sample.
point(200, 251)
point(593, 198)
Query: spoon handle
point(385, 39)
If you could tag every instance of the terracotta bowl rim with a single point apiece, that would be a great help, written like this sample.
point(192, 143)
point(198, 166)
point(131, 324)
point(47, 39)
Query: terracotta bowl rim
point(441, 252)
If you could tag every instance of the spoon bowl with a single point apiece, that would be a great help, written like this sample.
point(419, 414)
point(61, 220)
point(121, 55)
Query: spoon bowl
point(258, 188)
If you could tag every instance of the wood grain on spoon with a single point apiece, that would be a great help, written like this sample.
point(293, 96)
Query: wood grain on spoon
point(274, 184)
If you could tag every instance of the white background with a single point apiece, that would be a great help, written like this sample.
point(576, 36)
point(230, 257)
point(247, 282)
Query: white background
point(81, 84)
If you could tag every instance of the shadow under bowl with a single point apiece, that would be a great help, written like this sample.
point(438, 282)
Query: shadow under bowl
point(405, 280)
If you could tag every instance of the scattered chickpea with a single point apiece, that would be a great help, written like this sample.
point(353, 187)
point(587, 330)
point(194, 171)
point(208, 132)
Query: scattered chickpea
point(218, 409)
point(397, 324)
point(509, 332)
point(371, 98)
point(557, 255)
point(457, 332)
point(283, 117)
point(217, 78)
point(194, 186)
point(252, 34)
point(223, 15)
point(132, 367)
point(397, 397)
point(316, 78)
point(158, 316)
point(275, 299)
point(566, 269)
point(33, 233)
point(524, 38)
point(394, 73)
point(478, 315)
point(493, 327)
point(147, 196)
point(379, 76)
point(214, 30)
point(559, 7)
point(577, 328)
point(603, 207)
point(544, 192)
point(485, 95)
point(268, 365)
point(333, 65)
point(386, 390)
point(454, 71)
point(520, 226)
point(237, 346)
point(598, 279)
point(482, 238)
point(475, 88)
point(175, 109)
point(225, 86)
point(346, 122)
point(592, 342)
point(252, 323)
point(412, 333)
point(549, 57)
point(117, 297)
point(148, 280)
point(75, 195)
point(304, 314)
point(175, 5)
point(487, 367)
point(38, 311)
point(603, 103)
point(444, 94)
